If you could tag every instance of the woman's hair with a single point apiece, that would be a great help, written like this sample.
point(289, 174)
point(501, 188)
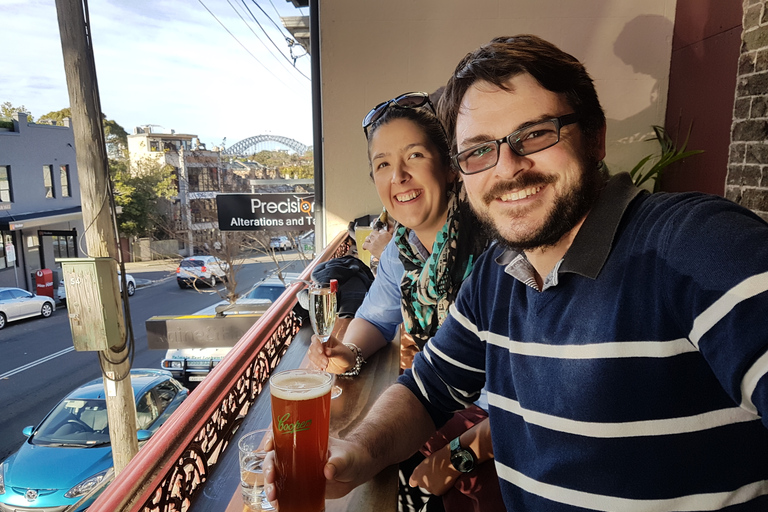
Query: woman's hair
point(424, 119)
point(506, 57)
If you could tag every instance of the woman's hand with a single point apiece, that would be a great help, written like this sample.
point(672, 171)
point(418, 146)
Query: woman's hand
point(377, 241)
point(436, 474)
point(331, 356)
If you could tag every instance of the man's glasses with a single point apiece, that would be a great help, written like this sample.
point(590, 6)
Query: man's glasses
point(407, 100)
point(523, 142)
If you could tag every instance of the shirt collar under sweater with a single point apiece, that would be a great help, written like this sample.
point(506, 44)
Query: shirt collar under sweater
point(593, 242)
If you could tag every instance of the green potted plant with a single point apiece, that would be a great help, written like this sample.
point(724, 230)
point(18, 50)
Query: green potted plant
point(670, 154)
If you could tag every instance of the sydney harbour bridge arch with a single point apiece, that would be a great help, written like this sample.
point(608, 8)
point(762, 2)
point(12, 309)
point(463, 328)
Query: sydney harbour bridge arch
point(242, 148)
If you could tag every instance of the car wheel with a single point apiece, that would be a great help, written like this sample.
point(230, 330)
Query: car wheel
point(213, 281)
point(64, 302)
point(131, 289)
point(181, 284)
point(46, 310)
point(2, 320)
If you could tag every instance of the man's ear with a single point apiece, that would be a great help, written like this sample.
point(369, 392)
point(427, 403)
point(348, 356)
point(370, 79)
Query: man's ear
point(600, 146)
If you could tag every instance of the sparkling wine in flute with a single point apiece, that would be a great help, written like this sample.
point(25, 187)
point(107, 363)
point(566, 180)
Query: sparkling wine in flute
point(322, 311)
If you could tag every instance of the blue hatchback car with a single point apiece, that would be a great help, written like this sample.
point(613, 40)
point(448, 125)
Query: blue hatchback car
point(67, 460)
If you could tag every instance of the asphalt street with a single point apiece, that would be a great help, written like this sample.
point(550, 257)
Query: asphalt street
point(39, 365)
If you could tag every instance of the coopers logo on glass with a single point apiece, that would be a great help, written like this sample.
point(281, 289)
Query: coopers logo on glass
point(294, 205)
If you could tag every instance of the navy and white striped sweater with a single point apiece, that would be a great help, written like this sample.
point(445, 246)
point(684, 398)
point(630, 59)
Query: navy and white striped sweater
point(637, 383)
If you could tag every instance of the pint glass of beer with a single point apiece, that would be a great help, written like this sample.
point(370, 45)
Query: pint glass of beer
point(301, 403)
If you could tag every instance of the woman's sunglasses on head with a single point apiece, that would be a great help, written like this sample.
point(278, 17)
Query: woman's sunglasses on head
point(407, 100)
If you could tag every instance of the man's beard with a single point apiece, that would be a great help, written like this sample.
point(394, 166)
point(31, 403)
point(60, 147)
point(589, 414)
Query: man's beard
point(565, 214)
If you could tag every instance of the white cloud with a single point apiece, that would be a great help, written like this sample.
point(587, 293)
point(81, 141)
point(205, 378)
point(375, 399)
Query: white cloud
point(167, 63)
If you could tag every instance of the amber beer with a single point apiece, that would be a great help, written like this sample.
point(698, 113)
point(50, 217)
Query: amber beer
point(301, 403)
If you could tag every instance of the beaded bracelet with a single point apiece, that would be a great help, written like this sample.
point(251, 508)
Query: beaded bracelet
point(355, 370)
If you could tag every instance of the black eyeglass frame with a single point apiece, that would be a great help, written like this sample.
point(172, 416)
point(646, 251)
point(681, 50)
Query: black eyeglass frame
point(378, 111)
point(559, 122)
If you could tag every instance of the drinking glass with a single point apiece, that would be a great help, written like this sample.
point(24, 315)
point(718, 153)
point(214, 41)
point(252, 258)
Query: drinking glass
point(301, 405)
point(322, 315)
point(252, 454)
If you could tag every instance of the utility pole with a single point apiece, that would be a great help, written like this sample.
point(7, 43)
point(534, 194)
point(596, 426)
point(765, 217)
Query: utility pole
point(100, 236)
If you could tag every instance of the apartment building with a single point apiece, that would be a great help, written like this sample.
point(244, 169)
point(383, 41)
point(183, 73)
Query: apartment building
point(198, 177)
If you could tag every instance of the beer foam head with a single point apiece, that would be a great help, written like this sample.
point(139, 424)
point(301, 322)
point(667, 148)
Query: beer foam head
point(300, 384)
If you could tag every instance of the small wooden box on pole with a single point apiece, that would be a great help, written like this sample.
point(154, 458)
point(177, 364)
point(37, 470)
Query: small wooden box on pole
point(95, 316)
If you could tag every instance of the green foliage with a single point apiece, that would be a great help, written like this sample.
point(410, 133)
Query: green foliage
point(670, 154)
point(56, 116)
point(300, 172)
point(7, 110)
point(6, 124)
point(141, 190)
point(115, 136)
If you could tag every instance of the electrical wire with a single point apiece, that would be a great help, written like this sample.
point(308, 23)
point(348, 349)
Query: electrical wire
point(241, 44)
point(265, 33)
point(259, 39)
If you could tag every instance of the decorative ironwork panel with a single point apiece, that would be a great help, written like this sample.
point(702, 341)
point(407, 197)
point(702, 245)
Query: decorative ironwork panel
point(191, 470)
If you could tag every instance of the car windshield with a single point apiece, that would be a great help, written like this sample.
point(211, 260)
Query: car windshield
point(192, 263)
point(271, 292)
point(75, 422)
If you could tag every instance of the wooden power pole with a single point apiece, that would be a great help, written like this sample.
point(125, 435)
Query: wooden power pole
point(100, 236)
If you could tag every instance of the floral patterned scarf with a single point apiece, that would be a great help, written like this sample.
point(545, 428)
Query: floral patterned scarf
point(427, 287)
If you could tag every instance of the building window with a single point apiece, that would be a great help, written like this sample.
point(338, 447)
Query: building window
point(4, 239)
point(64, 172)
point(63, 246)
point(203, 179)
point(48, 181)
point(5, 184)
point(155, 146)
point(203, 210)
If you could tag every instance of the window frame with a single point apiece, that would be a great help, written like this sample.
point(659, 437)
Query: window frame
point(50, 189)
point(66, 189)
point(7, 179)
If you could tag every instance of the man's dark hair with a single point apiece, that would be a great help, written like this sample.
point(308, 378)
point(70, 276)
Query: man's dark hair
point(506, 57)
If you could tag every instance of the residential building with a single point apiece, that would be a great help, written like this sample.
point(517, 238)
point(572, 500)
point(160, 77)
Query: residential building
point(198, 178)
point(40, 214)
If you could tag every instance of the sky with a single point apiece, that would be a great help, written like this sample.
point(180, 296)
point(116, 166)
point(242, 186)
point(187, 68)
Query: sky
point(168, 63)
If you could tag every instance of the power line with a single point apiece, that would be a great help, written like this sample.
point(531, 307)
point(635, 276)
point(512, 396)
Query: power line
point(241, 44)
point(259, 39)
point(266, 34)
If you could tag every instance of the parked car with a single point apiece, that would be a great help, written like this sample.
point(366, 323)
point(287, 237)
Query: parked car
point(191, 365)
point(281, 243)
point(66, 461)
point(196, 269)
point(17, 304)
point(61, 291)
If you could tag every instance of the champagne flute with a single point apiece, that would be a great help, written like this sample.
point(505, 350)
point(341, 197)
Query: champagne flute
point(322, 315)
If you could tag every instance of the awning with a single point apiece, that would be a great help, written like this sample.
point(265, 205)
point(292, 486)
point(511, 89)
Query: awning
point(37, 219)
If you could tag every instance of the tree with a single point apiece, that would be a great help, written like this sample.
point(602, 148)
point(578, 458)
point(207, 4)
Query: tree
point(7, 110)
point(115, 136)
point(141, 190)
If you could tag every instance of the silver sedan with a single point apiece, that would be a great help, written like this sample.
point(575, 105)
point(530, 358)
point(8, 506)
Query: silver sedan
point(16, 304)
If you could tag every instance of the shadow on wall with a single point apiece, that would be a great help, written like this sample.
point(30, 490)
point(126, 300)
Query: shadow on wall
point(644, 44)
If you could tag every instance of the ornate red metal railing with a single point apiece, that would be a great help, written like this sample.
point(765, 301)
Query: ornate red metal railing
point(177, 460)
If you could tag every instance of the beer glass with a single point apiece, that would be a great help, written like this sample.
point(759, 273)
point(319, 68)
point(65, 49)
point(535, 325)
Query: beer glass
point(301, 404)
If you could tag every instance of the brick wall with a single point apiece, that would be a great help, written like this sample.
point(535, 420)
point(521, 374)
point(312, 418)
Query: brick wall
point(747, 179)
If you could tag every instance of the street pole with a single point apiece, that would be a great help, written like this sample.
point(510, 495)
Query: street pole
point(100, 236)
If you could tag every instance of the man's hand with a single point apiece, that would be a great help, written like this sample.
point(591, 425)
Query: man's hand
point(331, 356)
point(348, 466)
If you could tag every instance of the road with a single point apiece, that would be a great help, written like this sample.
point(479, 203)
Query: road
point(39, 365)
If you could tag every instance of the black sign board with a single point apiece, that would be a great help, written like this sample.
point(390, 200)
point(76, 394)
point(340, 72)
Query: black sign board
point(271, 212)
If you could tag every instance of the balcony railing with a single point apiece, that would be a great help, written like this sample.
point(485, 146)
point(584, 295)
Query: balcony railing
point(175, 463)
